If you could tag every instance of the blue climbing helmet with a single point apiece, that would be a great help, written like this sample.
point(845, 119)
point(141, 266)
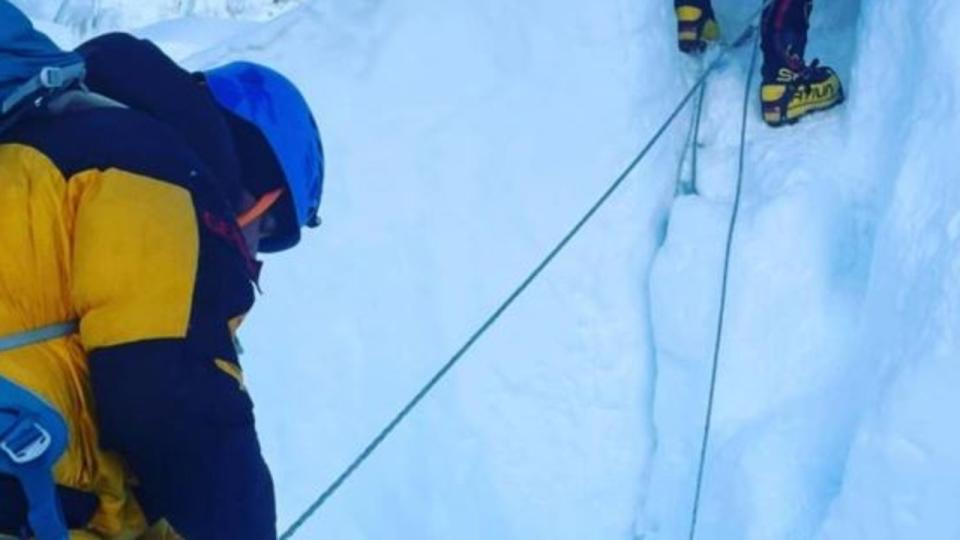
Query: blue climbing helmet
point(272, 104)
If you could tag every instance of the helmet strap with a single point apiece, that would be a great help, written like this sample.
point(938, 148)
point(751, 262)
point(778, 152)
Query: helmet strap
point(259, 208)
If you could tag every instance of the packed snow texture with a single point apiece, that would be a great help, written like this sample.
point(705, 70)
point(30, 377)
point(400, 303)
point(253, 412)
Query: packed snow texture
point(465, 137)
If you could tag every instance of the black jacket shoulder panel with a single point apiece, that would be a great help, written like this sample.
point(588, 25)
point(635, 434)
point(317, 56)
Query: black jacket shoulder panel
point(107, 138)
point(137, 73)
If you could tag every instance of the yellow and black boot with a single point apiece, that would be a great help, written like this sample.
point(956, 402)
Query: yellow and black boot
point(696, 25)
point(793, 95)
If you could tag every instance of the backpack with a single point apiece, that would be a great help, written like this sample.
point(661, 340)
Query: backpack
point(33, 435)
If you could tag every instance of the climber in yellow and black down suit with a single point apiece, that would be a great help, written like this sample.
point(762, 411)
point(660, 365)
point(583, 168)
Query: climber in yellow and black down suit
point(141, 229)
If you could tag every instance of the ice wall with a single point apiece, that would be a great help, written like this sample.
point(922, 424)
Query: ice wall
point(801, 253)
point(902, 479)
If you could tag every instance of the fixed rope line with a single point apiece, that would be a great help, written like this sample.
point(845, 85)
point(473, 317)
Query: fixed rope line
point(695, 149)
point(685, 186)
point(723, 294)
point(382, 436)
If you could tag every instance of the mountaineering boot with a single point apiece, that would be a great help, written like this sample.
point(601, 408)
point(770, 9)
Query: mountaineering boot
point(791, 88)
point(795, 94)
point(696, 25)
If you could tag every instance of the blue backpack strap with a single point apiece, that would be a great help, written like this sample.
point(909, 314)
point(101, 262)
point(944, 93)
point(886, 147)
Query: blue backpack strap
point(33, 436)
point(32, 337)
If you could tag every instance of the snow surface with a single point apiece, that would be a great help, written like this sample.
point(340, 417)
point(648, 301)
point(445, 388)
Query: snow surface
point(464, 137)
point(85, 17)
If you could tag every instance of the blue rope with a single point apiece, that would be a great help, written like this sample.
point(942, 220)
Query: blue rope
point(723, 294)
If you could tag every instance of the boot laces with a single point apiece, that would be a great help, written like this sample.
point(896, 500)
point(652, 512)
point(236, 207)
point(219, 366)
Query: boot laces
point(808, 75)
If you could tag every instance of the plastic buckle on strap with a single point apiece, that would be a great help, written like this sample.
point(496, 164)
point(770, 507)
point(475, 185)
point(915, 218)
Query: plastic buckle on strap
point(52, 77)
point(26, 441)
point(57, 77)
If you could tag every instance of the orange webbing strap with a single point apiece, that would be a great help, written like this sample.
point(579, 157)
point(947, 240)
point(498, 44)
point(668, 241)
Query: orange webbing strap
point(259, 208)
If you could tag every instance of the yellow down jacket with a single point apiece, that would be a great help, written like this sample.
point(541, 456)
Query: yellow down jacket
point(107, 218)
